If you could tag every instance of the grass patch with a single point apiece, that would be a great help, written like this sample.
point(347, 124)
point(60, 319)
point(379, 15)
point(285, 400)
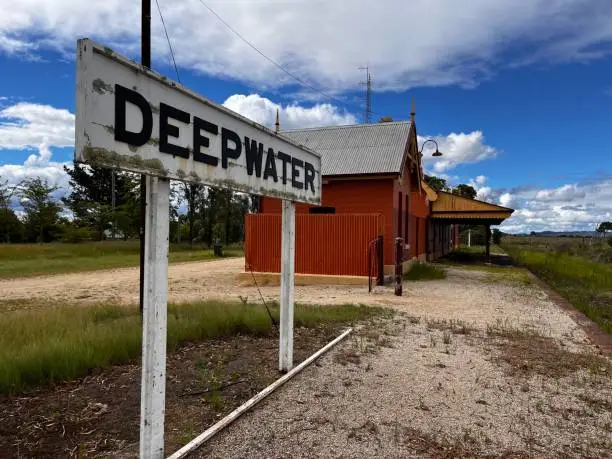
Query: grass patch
point(424, 271)
point(585, 283)
point(18, 260)
point(62, 343)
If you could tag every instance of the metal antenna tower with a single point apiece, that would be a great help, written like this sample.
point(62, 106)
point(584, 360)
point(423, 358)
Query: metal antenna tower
point(368, 100)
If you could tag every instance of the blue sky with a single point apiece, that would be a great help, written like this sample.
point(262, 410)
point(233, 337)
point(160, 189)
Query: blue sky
point(521, 111)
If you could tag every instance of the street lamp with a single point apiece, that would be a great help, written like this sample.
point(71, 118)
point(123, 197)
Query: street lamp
point(436, 153)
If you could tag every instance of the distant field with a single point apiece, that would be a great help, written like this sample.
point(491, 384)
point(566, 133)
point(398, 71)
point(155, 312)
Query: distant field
point(579, 269)
point(19, 260)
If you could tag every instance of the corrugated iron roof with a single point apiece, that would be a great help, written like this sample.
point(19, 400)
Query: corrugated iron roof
point(356, 149)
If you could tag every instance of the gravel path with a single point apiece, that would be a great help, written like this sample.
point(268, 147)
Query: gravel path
point(468, 295)
point(476, 364)
point(418, 397)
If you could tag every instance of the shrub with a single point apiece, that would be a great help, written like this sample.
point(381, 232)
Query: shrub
point(424, 271)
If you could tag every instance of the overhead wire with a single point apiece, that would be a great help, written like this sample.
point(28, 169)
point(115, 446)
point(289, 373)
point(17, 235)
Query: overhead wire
point(178, 78)
point(273, 62)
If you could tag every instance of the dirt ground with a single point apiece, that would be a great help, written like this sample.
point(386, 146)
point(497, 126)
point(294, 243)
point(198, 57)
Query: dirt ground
point(469, 295)
point(484, 363)
point(99, 414)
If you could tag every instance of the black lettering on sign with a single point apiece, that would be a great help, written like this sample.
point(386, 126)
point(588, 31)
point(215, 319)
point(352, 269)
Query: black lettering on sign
point(169, 130)
point(122, 96)
point(226, 150)
point(270, 169)
point(200, 141)
point(254, 154)
point(295, 173)
point(309, 176)
point(285, 158)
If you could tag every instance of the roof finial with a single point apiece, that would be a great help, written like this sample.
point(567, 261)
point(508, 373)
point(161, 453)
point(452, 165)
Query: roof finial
point(413, 111)
point(277, 124)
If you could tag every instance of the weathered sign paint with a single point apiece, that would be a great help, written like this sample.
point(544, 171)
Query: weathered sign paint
point(131, 118)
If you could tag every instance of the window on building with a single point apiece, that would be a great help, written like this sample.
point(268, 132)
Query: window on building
point(322, 210)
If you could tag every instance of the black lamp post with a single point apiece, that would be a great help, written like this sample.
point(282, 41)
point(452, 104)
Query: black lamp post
point(436, 153)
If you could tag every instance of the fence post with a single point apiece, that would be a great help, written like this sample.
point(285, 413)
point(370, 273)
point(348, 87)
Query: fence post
point(380, 278)
point(399, 251)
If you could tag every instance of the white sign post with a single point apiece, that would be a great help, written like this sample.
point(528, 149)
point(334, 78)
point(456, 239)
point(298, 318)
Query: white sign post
point(131, 118)
point(285, 356)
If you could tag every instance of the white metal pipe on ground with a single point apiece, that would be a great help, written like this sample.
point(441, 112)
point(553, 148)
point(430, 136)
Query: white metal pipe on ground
point(227, 420)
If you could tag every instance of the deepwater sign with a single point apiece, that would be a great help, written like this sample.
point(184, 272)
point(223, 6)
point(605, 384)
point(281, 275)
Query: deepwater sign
point(131, 118)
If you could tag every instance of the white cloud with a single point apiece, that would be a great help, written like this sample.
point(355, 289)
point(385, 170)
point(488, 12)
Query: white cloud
point(570, 207)
point(506, 199)
point(263, 111)
point(563, 193)
point(484, 193)
point(37, 165)
point(421, 42)
point(27, 125)
point(480, 180)
point(458, 148)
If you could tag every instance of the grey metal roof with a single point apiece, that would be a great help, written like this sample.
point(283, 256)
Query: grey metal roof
point(356, 149)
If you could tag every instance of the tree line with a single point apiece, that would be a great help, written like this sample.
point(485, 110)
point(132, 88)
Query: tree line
point(105, 204)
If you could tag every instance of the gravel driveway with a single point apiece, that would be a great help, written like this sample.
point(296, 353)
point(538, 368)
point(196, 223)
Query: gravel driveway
point(485, 364)
point(480, 363)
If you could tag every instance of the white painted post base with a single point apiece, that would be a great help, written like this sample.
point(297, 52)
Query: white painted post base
point(154, 325)
point(285, 355)
point(469, 238)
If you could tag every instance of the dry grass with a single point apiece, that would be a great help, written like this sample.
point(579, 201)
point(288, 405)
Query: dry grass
point(346, 356)
point(529, 355)
point(457, 327)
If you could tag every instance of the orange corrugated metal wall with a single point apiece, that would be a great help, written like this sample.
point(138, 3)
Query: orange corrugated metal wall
point(324, 244)
point(422, 243)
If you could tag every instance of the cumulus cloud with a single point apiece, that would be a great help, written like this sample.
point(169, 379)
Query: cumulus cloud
point(569, 207)
point(506, 199)
point(37, 165)
point(325, 41)
point(263, 111)
point(27, 125)
point(457, 148)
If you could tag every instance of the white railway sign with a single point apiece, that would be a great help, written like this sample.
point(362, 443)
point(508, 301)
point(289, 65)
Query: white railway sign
point(132, 118)
point(129, 117)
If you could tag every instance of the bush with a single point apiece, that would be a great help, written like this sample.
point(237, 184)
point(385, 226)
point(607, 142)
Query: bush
point(497, 236)
point(74, 234)
point(424, 271)
point(610, 241)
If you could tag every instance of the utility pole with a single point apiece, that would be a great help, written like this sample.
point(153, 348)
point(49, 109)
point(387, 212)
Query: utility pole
point(145, 58)
point(368, 100)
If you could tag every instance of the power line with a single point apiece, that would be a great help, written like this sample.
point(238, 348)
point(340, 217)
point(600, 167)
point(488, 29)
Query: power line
point(272, 61)
point(178, 78)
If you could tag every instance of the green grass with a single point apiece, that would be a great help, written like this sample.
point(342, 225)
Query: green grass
point(584, 283)
point(19, 260)
point(423, 271)
point(62, 343)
